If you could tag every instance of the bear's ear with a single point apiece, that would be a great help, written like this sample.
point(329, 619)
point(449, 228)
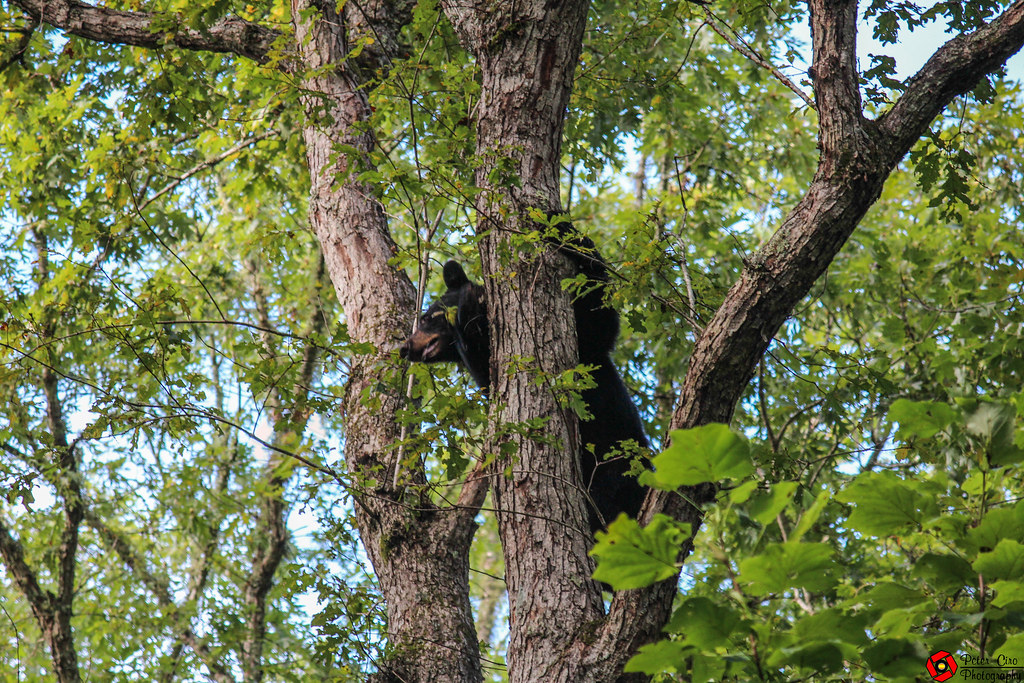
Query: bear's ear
point(454, 276)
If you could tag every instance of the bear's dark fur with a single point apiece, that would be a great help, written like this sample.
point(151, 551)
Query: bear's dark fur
point(454, 329)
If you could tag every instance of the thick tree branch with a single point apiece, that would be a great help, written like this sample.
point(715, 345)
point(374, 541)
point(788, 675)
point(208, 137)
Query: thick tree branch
point(528, 52)
point(857, 157)
point(834, 72)
point(954, 69)
point(231, 34)
point(372, 24)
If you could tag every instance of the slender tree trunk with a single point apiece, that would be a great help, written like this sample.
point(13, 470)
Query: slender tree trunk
point(58, 629)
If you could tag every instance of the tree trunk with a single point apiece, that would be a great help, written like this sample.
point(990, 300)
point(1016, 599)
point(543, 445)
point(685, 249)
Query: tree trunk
point(420, 553)
point(527, 54)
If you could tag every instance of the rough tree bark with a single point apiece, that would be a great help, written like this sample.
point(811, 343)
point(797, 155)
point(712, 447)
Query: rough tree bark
point(420, 553)
point(423, 575)
point(857, 155)
point(527, 54)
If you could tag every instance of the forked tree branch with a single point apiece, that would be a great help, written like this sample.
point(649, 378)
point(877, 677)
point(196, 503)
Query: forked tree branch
point(857, 157)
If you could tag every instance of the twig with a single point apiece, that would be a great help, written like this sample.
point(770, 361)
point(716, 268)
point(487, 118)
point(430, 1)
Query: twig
point(741, 46)
point(424, 266)
point(209, 163)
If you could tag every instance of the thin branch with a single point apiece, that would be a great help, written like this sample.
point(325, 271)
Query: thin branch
point(729, 35)
point(202, 166)
point(20, 45)
point(954, 69)
point(167, 248)
point(181, 321)
point(423, 266)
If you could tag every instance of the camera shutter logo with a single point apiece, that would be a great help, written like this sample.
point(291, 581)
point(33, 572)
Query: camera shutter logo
point(941, 666)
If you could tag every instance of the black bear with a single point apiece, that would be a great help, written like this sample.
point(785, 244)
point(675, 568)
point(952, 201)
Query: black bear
point(454, 329)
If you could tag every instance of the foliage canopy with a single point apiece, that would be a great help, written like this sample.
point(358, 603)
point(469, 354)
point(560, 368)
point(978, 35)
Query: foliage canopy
point(173, 359)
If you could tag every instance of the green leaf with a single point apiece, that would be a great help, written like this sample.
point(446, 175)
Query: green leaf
point(664, 656)
point(888, 595)
point(811, 515)
point(833, 624)
point(741, 494)
point(921, 419)
point(705, 623)
point(817, 656)
point(629, 556)
point(997, 524)
point(884, 504)
point(993, 423)
point(896, 657)
point(1007, 593)
point(784, 566)
point(943, 572)
point(1005, 562)
point(1011, 649)
point(765, 507)
point(709, 453)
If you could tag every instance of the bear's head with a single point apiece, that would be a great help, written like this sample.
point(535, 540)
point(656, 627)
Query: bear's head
point(454, 328)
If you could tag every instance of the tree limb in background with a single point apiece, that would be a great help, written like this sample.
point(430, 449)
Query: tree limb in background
point(289, 417)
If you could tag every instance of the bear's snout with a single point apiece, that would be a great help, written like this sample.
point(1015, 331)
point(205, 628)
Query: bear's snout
point(421, 347)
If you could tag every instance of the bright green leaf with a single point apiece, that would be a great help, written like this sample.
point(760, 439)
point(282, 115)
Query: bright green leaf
point(629, 556)
point(709, 453)
point(884, 504)
point(921, 419)
point(1005, 562)
point(1007, 593)
point(704, 623)
point(784, 566)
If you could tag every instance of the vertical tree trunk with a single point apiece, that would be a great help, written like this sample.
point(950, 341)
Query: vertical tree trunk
point(419, 552)
point(527, 54)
